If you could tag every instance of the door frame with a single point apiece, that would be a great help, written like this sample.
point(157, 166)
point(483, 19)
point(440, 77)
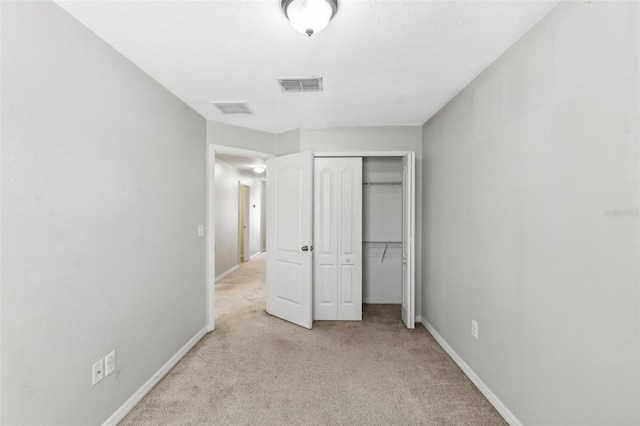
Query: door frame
point(244, 239)
point(400, 154)
point(211, 222)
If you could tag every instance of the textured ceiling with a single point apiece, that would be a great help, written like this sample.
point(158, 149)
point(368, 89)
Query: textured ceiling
point(383, 62)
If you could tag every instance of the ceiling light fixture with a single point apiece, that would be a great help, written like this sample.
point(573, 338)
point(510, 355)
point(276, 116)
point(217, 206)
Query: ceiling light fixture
point(309, 16)
point(258, 169)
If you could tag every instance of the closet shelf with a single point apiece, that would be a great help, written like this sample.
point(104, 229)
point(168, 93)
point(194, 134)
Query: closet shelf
point(386, 245)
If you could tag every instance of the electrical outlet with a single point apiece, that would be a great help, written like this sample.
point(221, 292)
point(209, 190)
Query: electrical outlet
point(109, 363)
point(98, 371)
point(200, 231)
point(225, 255)
point(474, 329)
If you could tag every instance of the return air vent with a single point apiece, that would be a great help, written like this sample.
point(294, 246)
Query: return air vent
point(233, 107)
point(312, 84)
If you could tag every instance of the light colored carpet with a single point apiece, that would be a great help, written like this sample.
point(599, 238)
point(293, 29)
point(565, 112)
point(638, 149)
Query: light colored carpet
point(255, 369)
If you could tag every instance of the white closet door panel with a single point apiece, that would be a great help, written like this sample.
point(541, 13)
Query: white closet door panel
point(347, 219)
point(326, 284)
point(325, 255)
point(347, 281)
point(350, 239)
point(325, 293)
point(408, 252)
point(326, 208)
point(338, 239)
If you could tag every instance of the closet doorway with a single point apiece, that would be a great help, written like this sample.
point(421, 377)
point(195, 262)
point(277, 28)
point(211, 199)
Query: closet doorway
point(382, 199)
point(290, 242)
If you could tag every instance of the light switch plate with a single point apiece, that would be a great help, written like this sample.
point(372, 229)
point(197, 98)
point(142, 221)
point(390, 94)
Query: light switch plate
point(109, 363)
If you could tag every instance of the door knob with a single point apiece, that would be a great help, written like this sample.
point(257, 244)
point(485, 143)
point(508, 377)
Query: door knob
point(305, 248)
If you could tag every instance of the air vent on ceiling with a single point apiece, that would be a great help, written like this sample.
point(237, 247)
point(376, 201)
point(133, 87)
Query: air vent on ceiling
point(312, 84)
point(233, 107)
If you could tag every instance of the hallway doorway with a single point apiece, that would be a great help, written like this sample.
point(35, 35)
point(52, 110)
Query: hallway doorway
point(236, 225)
point(244, 224)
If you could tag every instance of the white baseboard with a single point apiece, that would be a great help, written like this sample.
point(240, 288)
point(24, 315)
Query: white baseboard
point(418, 319)
point(258, 253)
point(140, 393)
point(482, 387)
point(224, 274)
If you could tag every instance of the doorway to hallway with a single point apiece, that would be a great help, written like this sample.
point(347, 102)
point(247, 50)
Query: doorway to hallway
point(236, 189)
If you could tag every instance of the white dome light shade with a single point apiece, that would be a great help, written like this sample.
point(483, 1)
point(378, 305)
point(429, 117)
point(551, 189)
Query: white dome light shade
point(309, 16)
point(258, 169)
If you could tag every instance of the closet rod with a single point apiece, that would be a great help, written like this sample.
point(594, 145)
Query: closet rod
point(382, 242)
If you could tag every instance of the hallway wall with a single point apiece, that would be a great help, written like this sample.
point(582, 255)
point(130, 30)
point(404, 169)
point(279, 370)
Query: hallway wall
point(531, 227)
point(227, 220)
point(103, 188)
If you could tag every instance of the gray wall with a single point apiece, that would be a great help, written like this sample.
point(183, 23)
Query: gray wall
point(227, 216)
point(103, 187)
point(240, 137)
point(522, 171)
point(374, 138)
point(289, 142)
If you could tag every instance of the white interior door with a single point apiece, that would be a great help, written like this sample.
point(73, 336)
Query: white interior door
point(289, 237)
point(408, 249)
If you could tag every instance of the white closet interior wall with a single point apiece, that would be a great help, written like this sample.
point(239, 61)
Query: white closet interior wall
point(382, 230)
